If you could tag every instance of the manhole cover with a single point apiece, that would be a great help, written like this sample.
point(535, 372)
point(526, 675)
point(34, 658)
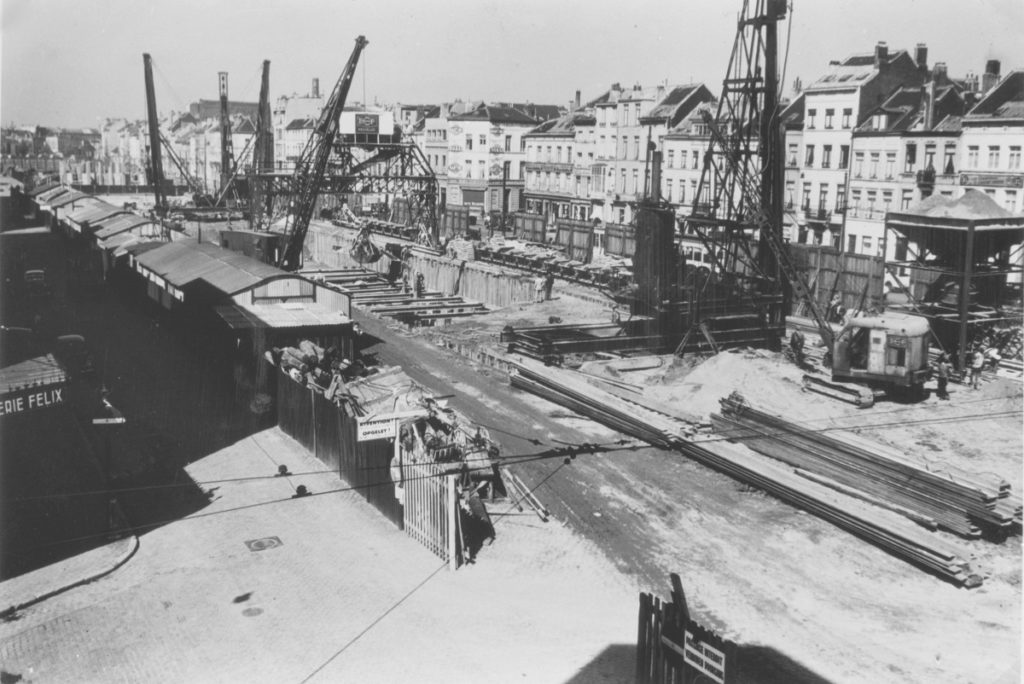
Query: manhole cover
point(252, 612)
point(264, 543)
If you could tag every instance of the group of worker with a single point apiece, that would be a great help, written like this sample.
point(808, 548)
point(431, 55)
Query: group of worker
point(976, 361)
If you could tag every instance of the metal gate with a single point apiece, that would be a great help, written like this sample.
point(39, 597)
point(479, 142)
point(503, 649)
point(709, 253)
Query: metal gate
point(431, 508)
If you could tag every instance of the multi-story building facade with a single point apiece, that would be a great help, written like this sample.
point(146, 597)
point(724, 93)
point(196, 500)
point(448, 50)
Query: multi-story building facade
point(554, 181)
point(992, 139)
point(487, 155)
point(832, 107)
point(903, 151)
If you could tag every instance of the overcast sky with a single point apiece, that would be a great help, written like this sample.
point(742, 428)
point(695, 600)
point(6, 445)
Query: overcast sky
point(73, 62)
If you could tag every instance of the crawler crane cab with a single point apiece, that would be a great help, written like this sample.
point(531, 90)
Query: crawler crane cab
point(872, 355)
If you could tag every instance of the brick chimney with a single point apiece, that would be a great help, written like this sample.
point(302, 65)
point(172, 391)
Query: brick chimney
point(881, 54)
point(921, 57)
point(939, 73)
point(316, 88)
point(578, 101)
point(991, 75)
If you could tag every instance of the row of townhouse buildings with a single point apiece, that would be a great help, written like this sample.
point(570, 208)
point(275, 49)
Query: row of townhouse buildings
point(876, 132)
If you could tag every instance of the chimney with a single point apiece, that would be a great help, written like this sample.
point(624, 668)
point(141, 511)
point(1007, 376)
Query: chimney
point(316, 88)
point(921, 57)
point(929, 105)
point(578, 101)
point(939, 73)
point(991, 75)
point(881, 54)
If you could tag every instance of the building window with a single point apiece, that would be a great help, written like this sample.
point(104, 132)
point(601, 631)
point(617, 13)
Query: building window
point(811, 113)
point(858, 164)
point(693, 190)
point(622, 214)
point(829, 114)
point(890, 164)
point(826, 156)
point(851, 243)
point(948, 167)
point(483, 141)
point(790, 194)
point(873, 168)
point(508, 143)
point(791, 155)
point(682, 191)
point(929, 156)
point(670, 162)
point(844, 156)
point(847, 113)
point(558, 155)
point(668, 191)
point(906, 198)
point(482, 166)
point(695, 157)
point(840, 197)
point(809, 157)
point(636, 145)
point(855, 197)
point(822, 197)
point(972, 157)
point(872, 196)
point(469, 142)
point(911, 159)
point(886, 200)
point(805, 197)
point(1014, 159)
point(1011, 201)
point(622, 181)
point(993, 156)
point(633, 186)
point(865, 244)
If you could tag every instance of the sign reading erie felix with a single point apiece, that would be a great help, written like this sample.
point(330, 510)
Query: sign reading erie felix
point(31, 400)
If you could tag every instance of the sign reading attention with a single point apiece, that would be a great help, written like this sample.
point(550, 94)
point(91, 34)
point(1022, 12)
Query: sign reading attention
point(367, 123)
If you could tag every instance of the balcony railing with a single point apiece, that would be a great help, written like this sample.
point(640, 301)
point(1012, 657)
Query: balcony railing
point(819, 214)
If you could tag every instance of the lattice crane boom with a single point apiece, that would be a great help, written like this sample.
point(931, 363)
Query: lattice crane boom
point(312, 164)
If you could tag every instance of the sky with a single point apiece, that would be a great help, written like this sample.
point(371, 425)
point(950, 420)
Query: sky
point(71, 63)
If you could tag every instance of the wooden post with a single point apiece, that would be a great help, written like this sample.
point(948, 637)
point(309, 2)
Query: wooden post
point(453, 508)
point(965, 296)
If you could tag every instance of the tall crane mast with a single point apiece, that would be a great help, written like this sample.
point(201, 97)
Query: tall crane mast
point(156, 159)
point(262, 153)
point(227, 153)
point(310, 168)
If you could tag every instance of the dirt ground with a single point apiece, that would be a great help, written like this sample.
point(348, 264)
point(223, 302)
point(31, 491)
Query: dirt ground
point(773, 577)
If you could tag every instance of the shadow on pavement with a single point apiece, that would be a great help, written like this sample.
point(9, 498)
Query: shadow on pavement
point(615, 664)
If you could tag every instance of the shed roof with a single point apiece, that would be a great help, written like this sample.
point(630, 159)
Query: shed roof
point(45, 187)
point(280, 315)
point(95, 212)
point(45, 197)
point(72, 196)
point(37, 372)
point(120, 223)
point(185, 261)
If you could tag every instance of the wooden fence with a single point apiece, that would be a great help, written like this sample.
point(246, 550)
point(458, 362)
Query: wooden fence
point(530, 227)
point(856, 278)
point(673, 649)
point(576, 238)
point(619, 240)
point(323, 428)
point(431, 509)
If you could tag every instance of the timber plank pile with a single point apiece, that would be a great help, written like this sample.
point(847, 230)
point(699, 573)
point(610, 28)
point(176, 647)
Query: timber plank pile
point(960, 502)
point(885, 529)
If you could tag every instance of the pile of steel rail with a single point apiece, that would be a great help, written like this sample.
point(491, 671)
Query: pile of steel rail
point(883, 528)
point(964, 503)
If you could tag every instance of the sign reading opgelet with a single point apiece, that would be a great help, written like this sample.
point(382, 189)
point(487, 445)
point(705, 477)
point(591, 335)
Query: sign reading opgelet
point(31, 400)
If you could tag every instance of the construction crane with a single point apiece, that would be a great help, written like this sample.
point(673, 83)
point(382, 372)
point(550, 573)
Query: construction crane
point(155, 159)
point(739, 203)
point(312, 164)
point(262, 153)
point(227, 152)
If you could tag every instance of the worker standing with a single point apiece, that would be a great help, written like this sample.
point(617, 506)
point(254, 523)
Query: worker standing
point(549, 283)
point(942, 369)
point(977, 363)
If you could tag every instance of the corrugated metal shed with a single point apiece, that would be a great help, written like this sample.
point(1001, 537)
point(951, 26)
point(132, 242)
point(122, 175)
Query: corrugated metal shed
point(94, 213)
point(72, 196)
point(36, 192)
point(119, 223)
point(183, 262)
point(45, 197)
point(37, 372)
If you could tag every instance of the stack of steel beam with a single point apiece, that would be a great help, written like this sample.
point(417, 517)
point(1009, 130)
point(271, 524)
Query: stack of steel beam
point(885, 529)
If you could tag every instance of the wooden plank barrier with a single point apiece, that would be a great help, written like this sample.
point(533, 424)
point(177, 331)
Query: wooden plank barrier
point(431, 508)
point(576, 238)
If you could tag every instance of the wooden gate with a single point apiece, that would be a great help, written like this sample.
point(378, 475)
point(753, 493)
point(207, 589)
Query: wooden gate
point(576, 238)
point(673, 649)
point(431, 508)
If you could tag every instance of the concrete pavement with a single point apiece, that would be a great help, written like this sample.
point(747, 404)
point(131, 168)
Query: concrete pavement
point(259, 586)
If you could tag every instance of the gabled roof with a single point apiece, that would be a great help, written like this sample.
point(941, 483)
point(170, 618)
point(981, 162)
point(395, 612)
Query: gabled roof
point(496, 114)
point(298, 124)
point(904, 110)
point(563, 126)
point(1004, 101)
point(676, 104)
point(793, 115)
point(687, 126)
point(244, 126)
point(45, 187)
point(45, 197)
point(94, 212)
point(72, 196)
point(854, 71)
